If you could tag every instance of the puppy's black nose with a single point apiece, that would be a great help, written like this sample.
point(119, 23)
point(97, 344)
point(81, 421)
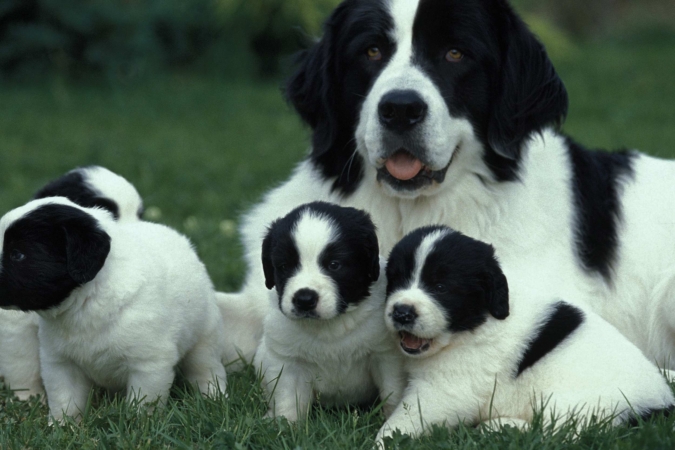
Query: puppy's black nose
point(400, 111)
point(305, 300)
point(404, 314)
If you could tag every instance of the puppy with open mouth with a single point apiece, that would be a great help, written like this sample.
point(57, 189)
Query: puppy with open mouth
point(479, 350)
point(325, 338)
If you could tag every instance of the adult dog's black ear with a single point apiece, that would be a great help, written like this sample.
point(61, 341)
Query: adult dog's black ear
point(268, 268)
point(496, 290)
point(87, 247)
point(310, 91)
point(530, 94)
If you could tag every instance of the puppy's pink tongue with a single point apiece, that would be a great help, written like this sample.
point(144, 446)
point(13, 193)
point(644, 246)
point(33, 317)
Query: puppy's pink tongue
point(403, 166)
point(412, 342)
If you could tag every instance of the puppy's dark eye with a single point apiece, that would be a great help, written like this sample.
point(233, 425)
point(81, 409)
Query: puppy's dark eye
point(282, 267)
point(454, 56)
point(440, 288)
point(334, 265)
point(17, 256)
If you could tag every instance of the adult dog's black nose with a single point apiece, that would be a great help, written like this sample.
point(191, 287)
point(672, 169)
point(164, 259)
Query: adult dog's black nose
point(402, 110)
point(305, 300)
point(404, 314)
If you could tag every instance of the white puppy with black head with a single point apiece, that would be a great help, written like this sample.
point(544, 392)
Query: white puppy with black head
point(477, 352)
point(91, 186)
point(120, 304)
point(325, 338)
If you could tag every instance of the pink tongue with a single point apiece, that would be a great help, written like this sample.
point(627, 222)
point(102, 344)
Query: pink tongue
point(403, 166)
point(412, 342)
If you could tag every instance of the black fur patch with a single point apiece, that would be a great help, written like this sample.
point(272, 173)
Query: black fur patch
point(596, 183)
point(356, 250)
point(48, 253)
point(649, 415)
point(461, 274)
point(332, 81)
point(562, 322)
point(75, 188)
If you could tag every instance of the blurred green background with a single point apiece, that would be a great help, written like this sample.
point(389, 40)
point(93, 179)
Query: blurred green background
point(183, 97)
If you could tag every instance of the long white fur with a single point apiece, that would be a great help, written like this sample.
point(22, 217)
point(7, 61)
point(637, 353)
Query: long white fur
point(149, 309)
point(19, 345)
point(470, 376)
point(344, 358)
point(530, 223)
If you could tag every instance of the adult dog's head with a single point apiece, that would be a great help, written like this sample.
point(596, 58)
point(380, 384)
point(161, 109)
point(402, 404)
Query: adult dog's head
point(424, 92)
point(322, 259)
point(441, 283)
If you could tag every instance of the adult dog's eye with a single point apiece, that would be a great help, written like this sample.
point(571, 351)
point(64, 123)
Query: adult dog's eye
point(334, 265)
point(17, 256)
point(374, 54)
point(454, 56)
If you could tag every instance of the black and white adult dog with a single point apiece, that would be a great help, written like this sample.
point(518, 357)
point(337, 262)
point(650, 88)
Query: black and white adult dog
point(120, 304)
point(91, 186)
point(445, 112)
point(325, 335)
point(479, 352)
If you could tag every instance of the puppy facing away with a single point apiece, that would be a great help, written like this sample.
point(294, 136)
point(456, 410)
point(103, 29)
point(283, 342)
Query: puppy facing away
point(477, 351)
point(19, 348)
point(325, 338)
point(120, 304)
point(96, 186)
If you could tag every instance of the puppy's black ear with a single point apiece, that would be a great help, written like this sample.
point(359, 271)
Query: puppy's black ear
point(370, 243)
point(87, 247)
point(496, 292)
point(374, 254)
point(530, 95)
point(268, 268)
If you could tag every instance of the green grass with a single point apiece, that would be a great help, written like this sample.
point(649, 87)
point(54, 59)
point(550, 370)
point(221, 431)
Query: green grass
point(200, 152)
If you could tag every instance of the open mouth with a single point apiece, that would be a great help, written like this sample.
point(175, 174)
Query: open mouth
point(412, 344)
point(405, 171)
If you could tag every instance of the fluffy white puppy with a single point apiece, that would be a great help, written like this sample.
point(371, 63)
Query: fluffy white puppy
point(19, 347)
point(470, 358)
point(120, 304)
point(325, 336)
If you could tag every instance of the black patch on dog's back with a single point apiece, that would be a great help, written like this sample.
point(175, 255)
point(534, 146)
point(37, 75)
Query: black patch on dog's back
point(561, 323)
point(596, 182)
point(75, 188)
